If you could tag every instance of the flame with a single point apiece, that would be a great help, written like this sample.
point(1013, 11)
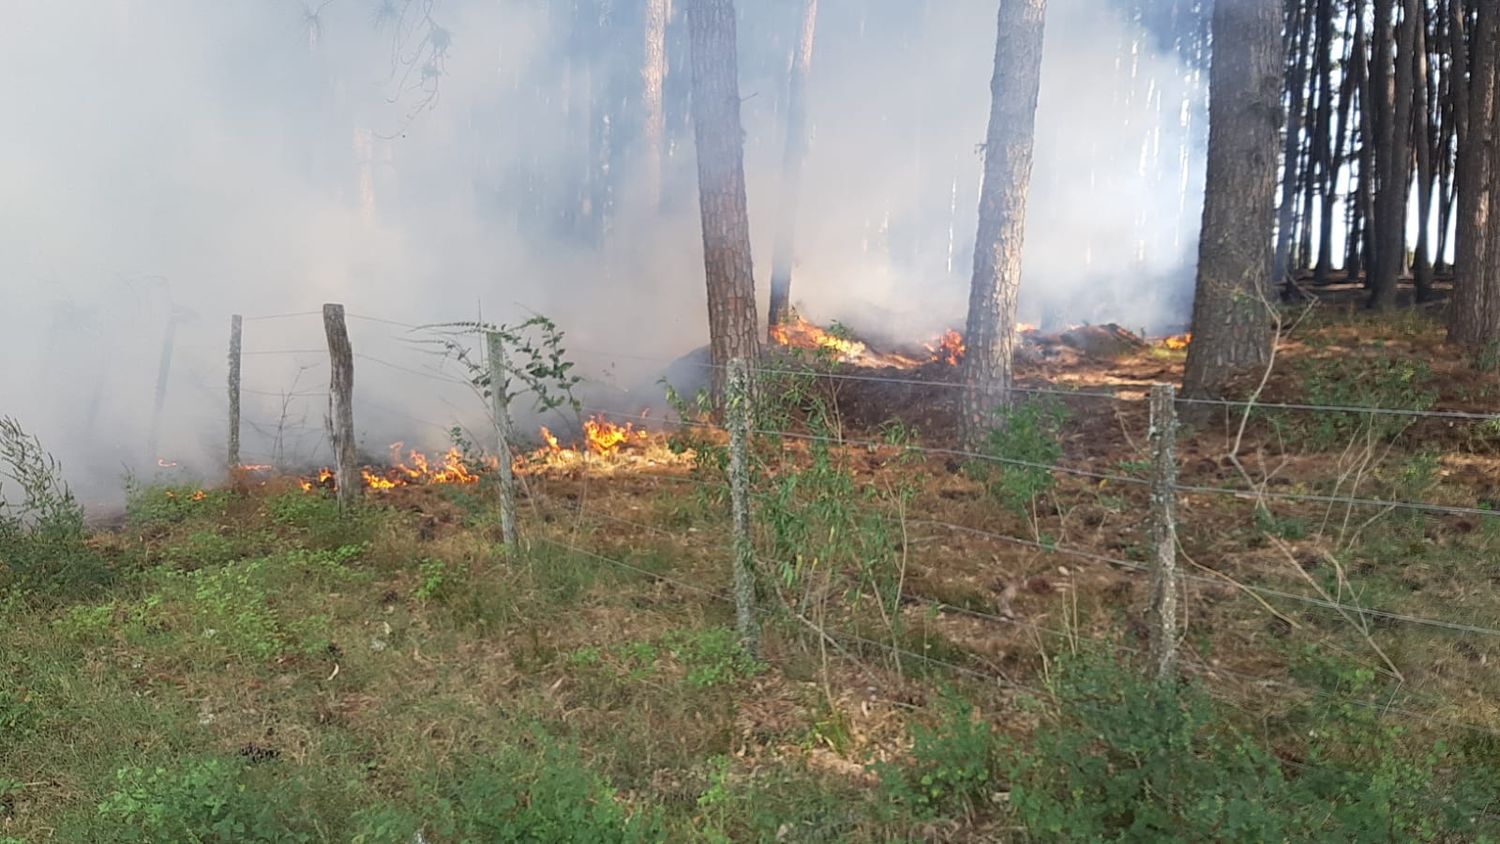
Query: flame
point(550, 439)
point(1177, 342)
point(949, 348)
point(165, 463)
point(415, 468)
point(255, 467)
point(199, 495)
point(604, 436)
point(804, 335)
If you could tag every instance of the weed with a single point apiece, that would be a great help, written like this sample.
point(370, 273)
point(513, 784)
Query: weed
point(1021, 448)
point(953, 764)
point(207, 800)
point(712, 657)
point(43, 557)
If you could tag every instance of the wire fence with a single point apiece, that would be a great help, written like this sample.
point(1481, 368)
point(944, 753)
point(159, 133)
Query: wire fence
point(1342, 618)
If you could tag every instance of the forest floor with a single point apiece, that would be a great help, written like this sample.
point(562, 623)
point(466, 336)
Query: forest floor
point(959, 656)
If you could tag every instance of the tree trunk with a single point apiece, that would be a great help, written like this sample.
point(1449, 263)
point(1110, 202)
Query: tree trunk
point(1299, 25)
point(791, 168)
point(1323, 144)
point(653, 103)
point(1474, 313)
point(1232, 308)
point(1424, 140)
point(990, 330)
point(1394, 154)
point(720, 140)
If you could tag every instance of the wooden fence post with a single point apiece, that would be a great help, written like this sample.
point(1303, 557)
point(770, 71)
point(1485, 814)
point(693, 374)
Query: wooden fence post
point(737, 411)
point(235, 327)
point(340, 420)
point(1164, 575)
point(500, 399)
point(163, 374)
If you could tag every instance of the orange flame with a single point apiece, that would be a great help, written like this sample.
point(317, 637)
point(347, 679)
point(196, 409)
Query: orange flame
point(165, 463)
point(949, 348)
point(1177, 342)
point(604, 436)
point(804, 335)
point(550, 439)
point(255, 467)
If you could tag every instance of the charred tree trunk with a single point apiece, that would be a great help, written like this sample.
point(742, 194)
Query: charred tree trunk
point(1232, 308)
point(791, 168)
point(990, 330)
point(1474, 313)
point(1393, 185)
point(653, 102)
point(720, 140)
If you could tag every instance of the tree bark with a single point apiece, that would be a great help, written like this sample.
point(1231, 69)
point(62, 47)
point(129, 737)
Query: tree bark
point(791, 168)
point(1474, 312)
point(1298, 26)
point(1232, 308)
point(1393, 186)
point(1323, 144)
point(1425, 140)
point(720, 140)
point(653, 102)
point(990, 330)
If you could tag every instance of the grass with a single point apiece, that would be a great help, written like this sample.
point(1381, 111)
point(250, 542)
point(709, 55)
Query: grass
point(396, 671)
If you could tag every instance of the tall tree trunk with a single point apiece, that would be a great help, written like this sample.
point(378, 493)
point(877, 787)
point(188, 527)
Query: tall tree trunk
point(791, 168)
point(1424, 139)
point(1298, 27)
point(1393, 186)
point(720, 139)
point(1232, 307)
point(1343, 140)
point(990, 330)
point(1474, 312)
point(1323, 144)
point(653, 102)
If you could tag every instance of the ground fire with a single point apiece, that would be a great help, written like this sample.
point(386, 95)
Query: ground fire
point(600, 436)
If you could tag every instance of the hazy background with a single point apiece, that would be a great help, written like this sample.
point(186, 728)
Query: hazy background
point(263, 157)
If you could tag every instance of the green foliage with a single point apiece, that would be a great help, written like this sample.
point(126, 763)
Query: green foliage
point(438, 580)
point(712, 657)
point(208, 800)
point(294, 509)
point(43, 556)
point(158, 506)
point(1376, 382)
point(538, 794)
point(953, 764)
point(537, 361)
point(1022, 446)
point(19, 716)
point(1127, 760)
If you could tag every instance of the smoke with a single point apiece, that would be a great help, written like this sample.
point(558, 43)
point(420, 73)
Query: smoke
point(173, 162)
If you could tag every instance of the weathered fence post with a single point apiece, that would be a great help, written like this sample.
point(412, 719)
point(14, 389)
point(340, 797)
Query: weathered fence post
point(737, 412)
point(1163, 563)
point(340, 419)
point(500, 399)
point(235, 326)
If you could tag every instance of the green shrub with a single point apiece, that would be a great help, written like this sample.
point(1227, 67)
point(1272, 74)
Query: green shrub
point(1384, 382)
point(1126, 760)
point(157, 506)
point(953, 764)
point(43, 555)
point(712, 657)
point(1023, 445)
point(540, 794)
point(208, 800)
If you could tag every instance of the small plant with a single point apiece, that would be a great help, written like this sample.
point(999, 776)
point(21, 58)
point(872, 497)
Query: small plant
point(1022, 447)
point(1398, 383)
point(208, 800)
point(953, 764)
point(437, 580)
point(713, 657)
point(43, 556)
